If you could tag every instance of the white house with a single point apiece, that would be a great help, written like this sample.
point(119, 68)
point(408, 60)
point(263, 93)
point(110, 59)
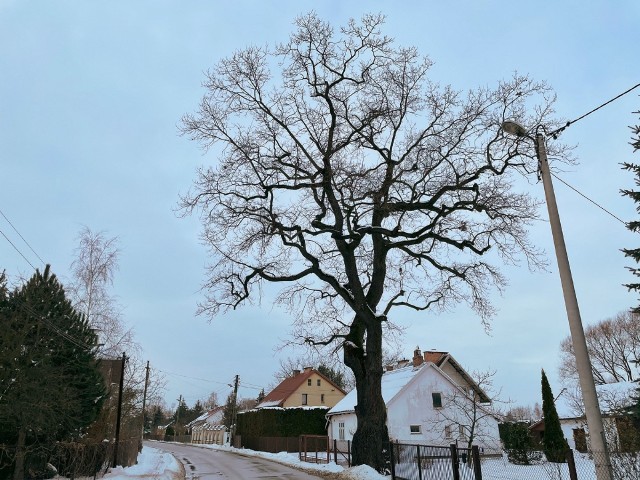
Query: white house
point(431, 400)
point(208, 428)
point(613, 398)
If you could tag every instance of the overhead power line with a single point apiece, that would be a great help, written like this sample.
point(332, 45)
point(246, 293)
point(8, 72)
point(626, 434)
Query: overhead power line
point(557, 132)
point(23, 239)
point(587, 198)
point(17, 250)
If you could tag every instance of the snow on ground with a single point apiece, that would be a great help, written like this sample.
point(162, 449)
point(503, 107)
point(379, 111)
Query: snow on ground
point(361, 472)
point(157, 464)
point(152, 463)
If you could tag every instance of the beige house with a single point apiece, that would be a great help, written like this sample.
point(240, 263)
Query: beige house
point(306, 388)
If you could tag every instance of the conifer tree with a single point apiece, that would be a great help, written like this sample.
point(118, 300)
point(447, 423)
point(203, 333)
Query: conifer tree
point(554, 444)
point(634, 225)
point(52, 388)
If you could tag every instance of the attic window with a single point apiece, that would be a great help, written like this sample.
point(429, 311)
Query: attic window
point(309, 382)
point(415, 428)
point(437, 399)
point(318, 382)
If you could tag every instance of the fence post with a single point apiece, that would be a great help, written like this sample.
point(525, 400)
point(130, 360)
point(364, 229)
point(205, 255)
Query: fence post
point(571, 463)
point(454, 461)
point(477, 467)
point(349, 453)
point(393, 461)
point(419, 462)
point(335, 451)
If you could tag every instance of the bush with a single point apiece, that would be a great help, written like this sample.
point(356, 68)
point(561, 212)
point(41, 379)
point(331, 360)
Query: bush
point(285, 422)
point(518, 443)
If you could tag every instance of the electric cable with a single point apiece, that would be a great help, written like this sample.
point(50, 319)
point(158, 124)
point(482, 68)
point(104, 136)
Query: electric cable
point(558, 131)
point(587, 198)
point(17, 250)
point(23, 239)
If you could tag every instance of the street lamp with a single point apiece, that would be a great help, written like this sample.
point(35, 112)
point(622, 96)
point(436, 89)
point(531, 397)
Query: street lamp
point(583, 364)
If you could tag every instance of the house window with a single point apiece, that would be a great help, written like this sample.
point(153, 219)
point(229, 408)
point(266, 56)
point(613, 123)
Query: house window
point(437, 399)
point(447, 432)
point(309, 382)
point(318, 382)
point(415, 428)
point(341, 431)
point(304, 399)
point(461, 432)
point(322, 398)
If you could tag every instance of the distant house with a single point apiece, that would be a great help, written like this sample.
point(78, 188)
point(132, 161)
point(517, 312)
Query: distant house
point(306, 388)
point(208, 428)
point(428, 402)
point(614, 400)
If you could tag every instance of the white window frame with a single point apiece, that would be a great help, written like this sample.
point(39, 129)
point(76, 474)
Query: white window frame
point(415, 429)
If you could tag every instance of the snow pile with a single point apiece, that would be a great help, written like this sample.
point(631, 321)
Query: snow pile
point(362, 472)
point(152, 463)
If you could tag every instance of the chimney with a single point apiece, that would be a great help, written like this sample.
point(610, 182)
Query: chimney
point(389, 368)
point(296, 372)
point(306, 369)
point(417, 357)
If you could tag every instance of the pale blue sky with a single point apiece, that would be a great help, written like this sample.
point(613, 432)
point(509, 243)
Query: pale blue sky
point(90, 97)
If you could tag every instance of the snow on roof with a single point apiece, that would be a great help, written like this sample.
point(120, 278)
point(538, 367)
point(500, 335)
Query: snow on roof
point(611, 397)
point(392, 382)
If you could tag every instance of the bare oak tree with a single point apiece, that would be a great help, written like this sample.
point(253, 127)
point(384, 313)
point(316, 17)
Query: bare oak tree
point(349, 178)
point(614, 349)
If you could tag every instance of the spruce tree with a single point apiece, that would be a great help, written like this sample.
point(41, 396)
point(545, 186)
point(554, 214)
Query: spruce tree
point(634, 225)
point(634, 253)
point(54, 389)
point(554, 444)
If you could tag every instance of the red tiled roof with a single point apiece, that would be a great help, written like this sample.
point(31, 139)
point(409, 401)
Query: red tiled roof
point(281, 393)
point(435, 357)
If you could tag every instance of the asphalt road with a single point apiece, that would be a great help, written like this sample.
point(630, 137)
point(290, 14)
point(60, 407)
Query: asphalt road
point(207, 464)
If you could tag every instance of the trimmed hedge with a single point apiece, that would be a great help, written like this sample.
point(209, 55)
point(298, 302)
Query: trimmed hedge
point(282, 422)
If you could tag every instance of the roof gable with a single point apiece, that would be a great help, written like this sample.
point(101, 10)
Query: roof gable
point(286, 388)
point(394, 382)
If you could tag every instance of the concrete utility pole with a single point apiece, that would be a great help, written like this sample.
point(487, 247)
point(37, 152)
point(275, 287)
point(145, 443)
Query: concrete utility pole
point(583, 363)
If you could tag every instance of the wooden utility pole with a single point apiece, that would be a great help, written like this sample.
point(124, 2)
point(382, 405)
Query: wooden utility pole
point(119, 416)
point(234, 415)
point(144, 397)
point(175, 428)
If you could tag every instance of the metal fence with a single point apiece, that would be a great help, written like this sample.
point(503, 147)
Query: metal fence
point(70, 459)
point(422, 462)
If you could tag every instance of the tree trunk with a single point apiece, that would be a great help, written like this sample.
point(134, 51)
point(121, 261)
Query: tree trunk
point(18, 471)
point(371, 437)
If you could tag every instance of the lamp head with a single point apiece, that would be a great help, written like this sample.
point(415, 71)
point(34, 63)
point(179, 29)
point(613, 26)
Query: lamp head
point(514, 128)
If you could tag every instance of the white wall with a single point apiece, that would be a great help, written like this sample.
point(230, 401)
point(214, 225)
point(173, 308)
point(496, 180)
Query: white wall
point(415, 407)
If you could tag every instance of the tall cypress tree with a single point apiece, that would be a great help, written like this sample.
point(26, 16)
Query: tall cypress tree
point(554, 444)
